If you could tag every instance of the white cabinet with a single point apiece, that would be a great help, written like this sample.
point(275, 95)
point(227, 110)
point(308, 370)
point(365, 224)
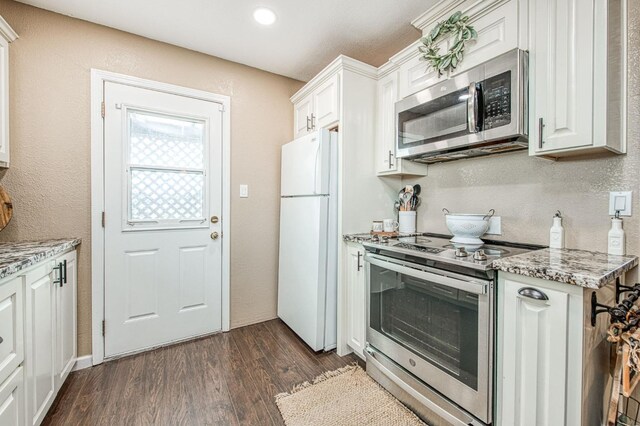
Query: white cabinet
point(416, 74)
point(319, 109)
point(386, 161)
point(356, 299)
point(7, 35)
point(11, 327)
point(550, 360)
point(12, 399)
point(40, 342)
point(66, 346)
point(576, 79)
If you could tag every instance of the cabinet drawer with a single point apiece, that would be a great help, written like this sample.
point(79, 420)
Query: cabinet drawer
point(12, 399)
point(11, 327)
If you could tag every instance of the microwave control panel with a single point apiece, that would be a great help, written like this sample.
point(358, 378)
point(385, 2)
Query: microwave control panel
point(496, 92)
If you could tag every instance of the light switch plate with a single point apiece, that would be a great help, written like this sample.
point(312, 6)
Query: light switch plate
point(495, 226)
point(244, 191)
point(620, 201)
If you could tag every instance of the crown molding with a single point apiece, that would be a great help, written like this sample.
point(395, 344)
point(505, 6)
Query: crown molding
point(342, 62)
point(6, 31)
point(473, 8)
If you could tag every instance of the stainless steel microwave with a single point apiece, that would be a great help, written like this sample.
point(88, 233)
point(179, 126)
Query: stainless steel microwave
point(478, 112)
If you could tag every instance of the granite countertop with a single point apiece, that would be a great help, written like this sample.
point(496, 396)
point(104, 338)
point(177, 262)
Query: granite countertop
point(577, 267)
point(19, 255)
point(366, 236)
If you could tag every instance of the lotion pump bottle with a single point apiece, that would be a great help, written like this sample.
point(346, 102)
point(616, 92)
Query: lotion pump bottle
point(616, 236)
point(556, 234)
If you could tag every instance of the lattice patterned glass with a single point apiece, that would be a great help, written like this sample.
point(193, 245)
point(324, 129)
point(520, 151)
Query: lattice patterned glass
point(166, 168)
point(166, 195)
point(158, 140)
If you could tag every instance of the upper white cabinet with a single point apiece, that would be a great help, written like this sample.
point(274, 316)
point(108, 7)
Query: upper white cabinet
point(320, 109)
point(576, 78)
point(7, 35)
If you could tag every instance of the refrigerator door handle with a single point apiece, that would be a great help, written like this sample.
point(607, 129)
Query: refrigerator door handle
point(316, 190)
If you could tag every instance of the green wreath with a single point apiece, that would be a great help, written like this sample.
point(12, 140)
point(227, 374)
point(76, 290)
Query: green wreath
point(456, 24)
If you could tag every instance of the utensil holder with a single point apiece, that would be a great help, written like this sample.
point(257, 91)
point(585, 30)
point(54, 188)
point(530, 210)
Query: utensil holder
point(407, 222)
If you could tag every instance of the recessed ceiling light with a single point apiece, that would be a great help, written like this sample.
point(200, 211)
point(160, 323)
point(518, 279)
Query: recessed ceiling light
point(264, 16)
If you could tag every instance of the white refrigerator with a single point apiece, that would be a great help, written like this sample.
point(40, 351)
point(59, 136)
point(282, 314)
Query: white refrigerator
point(307, 278)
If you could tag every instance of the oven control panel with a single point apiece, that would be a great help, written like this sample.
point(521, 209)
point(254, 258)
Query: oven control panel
point(496, 92)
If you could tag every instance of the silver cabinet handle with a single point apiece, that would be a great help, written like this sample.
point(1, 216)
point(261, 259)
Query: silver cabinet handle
point(359, 265)
point(308, 125)
point(313, 121)
point(540, 132)
point(532, 293)
point(390, 155)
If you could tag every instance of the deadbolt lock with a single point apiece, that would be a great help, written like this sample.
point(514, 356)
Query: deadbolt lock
point(214, 235)
point(214, 219)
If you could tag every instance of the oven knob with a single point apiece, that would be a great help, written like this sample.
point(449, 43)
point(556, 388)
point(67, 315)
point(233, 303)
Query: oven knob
point(412, 362)
point(461, 252)
point(479, 255)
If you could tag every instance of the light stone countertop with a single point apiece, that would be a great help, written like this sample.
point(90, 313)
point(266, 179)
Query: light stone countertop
point(583, 268)
point(19, 255)
point(366, 236)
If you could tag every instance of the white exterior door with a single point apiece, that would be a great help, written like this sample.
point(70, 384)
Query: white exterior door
point(163, 188)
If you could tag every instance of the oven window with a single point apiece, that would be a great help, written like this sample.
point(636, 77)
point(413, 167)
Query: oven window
point(438, 323)
point(439, 119)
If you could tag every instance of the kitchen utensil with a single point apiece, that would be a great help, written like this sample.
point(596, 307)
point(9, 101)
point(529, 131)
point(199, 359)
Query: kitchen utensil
point(406, 196)
point(417, 189)
point(6, 208)
point(407, 222)
point(467, 228)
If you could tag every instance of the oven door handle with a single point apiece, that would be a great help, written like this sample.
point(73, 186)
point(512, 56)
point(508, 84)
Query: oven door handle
point(468, 286)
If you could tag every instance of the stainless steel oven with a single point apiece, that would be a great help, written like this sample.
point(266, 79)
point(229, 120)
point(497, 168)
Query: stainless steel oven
point(477, 112)
point(430, 335)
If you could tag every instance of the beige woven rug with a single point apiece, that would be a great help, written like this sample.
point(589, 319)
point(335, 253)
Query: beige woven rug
point(347, 396)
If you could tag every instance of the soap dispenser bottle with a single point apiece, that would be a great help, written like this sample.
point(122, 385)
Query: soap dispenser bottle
point(556, 234)
point(616, 236)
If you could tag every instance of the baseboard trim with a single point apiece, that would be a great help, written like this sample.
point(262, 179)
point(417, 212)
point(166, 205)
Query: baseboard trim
point(83, 362)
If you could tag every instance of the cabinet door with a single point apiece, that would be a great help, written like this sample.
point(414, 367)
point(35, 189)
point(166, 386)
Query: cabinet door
point(4, 102)
point(11, 328)
point(533, 347)
point(40, 343)
point(497, 34)
point(12, 399)
point(66, 319)
point(356, 300)
point(302, 116)
point(326, 104)
point(386, 130)
point(561, 77)
point(416, 75)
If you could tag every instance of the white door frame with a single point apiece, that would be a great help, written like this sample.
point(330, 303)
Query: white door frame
point(98, 78)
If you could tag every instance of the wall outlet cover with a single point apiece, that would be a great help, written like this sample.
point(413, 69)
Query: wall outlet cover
point(495, 226)
point(620, 200)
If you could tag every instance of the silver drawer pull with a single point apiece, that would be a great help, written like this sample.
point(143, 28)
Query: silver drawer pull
point(532, 293)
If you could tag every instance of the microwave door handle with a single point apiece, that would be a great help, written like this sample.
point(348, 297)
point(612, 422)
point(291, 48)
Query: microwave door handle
point(472, 108)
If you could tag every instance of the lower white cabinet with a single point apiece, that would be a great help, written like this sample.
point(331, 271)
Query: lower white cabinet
point(38, 346)
point(12, 399)
point(551, 361)
point(40, 342)
point(356, 299)
point(66, 313)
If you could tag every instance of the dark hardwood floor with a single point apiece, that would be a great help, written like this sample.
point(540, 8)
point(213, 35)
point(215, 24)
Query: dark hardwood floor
point(225, 379)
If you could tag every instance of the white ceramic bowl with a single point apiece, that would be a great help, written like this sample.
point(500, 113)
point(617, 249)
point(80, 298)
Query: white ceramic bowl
point(467, 228)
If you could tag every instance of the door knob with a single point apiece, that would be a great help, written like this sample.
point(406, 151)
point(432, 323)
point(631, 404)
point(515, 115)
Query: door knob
point(214, 235)
point(214, 219)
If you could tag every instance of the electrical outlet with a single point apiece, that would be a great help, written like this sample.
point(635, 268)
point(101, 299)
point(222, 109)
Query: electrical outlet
point(620, 201)
point(495, 226)
point(244, 191)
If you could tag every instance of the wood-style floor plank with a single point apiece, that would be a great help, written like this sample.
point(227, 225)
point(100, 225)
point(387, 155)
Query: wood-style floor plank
point(225, 379)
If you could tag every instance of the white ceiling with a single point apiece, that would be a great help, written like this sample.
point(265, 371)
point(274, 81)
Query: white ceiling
point(307, 35)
